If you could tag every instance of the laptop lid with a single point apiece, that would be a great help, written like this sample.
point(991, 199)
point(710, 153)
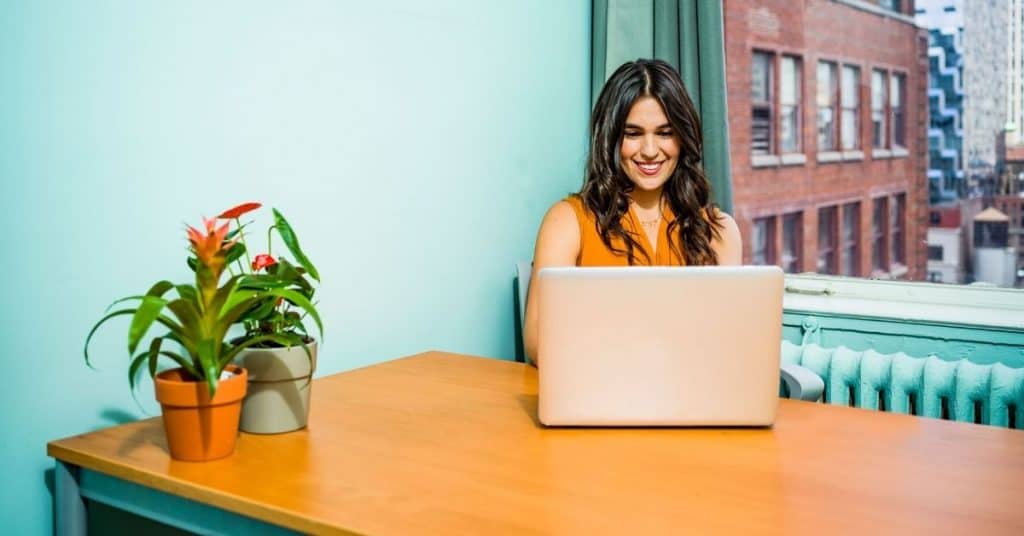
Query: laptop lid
point(659, 346)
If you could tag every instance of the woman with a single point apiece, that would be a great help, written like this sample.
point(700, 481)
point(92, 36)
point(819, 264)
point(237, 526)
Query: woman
point(645, 200)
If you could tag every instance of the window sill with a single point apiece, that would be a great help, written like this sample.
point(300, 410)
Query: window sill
point(794, 159)
point(853, 155)
point(900, 152)
point(879, 154)
point(764, 160)
point(897, 271)
point(830, 156)
point(941, 303)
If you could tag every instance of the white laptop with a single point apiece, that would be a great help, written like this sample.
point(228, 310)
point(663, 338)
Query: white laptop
point(659, 346)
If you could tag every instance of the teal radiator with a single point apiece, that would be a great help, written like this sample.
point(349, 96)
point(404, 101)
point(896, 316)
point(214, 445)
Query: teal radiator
point(931, 387)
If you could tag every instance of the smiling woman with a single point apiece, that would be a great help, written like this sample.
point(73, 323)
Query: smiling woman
point(645, 199)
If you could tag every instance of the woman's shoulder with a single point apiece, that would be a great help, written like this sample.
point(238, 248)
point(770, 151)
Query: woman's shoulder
point(727, 243)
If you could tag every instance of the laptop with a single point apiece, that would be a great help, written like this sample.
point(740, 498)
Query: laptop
point(659, 346)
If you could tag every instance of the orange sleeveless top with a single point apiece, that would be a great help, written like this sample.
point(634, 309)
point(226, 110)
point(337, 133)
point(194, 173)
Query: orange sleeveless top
point(593, 251)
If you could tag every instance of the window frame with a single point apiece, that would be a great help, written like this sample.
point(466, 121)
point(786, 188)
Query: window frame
point(880, 105)
point(897, 230)
point(770, 254)
point(797, 105)
point(898, 108)
point(880, 234)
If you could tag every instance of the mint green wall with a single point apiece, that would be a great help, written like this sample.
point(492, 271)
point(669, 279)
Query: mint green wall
point(414, 146)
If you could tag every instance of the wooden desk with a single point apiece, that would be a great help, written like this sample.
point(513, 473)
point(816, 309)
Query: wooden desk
point(440, 443)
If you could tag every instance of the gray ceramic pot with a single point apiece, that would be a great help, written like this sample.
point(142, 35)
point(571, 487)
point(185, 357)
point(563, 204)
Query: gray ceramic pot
point(280, 380)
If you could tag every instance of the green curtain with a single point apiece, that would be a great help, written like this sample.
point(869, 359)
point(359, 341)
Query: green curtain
point(689, 35)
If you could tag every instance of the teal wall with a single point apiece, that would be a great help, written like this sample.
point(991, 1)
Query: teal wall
point(414, 146)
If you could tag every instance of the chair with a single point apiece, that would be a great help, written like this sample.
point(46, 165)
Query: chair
point(800, 382)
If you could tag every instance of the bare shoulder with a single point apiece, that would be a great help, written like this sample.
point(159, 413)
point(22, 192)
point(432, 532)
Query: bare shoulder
point(729, 244)
point(558, 241)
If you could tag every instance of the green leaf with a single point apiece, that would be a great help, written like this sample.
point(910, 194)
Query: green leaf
point(302, 302)
point(144, 317)
point(222, 295)
point(189, 317)
point(121, 312)
point(208, 360)
point(288, 236)
point(192, 263)
point(286, 340)
point(235, 252)
point(154, 354)
point(236, 298)
point(188, 292)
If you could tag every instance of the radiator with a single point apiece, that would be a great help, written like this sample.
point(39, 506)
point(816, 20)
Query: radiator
point(928, 386)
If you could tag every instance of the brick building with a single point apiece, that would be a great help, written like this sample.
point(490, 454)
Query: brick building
point(828, 120)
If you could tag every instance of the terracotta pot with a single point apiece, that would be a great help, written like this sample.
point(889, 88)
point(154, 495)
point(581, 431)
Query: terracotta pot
point(198, 428)
point(280, 381)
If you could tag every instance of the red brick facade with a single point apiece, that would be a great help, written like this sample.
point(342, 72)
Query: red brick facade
point(828, 30)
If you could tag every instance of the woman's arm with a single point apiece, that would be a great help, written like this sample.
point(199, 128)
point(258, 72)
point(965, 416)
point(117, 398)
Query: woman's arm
point(558, 244)
point(729, 246)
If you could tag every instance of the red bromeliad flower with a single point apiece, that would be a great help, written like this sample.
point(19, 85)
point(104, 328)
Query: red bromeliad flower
point(236, 212)
point(262, 261)
point(211, 243)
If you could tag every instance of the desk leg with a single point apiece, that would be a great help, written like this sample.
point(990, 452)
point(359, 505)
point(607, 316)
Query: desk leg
point(69, 506)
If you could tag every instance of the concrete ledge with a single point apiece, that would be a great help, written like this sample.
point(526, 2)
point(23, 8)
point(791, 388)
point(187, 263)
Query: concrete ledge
point(830, 156)
point(764, 160)
point(794, 159)
point(853, 155)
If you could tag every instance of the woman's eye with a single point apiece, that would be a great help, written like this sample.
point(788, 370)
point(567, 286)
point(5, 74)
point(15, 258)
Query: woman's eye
point(665, 133)
point(632, 134)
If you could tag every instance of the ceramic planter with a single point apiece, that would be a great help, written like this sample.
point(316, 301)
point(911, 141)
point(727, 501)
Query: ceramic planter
point(199, 428)
point(280, 381)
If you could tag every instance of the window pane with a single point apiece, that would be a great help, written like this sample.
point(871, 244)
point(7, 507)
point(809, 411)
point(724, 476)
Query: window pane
point(760, 77)
point(850, 120)
point(789, 114)
point(897, 222)
point(879, 214)
point(896, 107)
point(851, 235)
point(827, 240)
point(761, 130)
point(792, 242)
point(826, 106)
point(878, 102)
point(763, 241)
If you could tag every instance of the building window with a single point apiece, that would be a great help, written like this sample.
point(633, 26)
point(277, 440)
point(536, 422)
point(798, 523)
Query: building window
point(891, 5)
point(935, 253)
point(763, 243)
point(826, 102)
point(897, 109)
point(879, 245)
point(897, 219)
point(849, 96)
point(851, 239)
point(827, 240)
point(761, 103)
point(792, 242)
point(789, 105)
point(879, 90)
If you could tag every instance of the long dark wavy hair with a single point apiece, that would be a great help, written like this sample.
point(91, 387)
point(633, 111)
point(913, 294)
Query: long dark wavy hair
point(606, 187)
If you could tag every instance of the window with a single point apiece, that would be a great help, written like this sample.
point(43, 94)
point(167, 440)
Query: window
point(789, 105)
point(879, 245)
point(826, 102)
point(935, 253)
point(897, 220)
point(879, 87)
point(792, 242)
point(761, 103)
point(763, 243)
point(851, 239)
point(827, 240)
point(892, 5)
point(897, 109)
point(850, 121)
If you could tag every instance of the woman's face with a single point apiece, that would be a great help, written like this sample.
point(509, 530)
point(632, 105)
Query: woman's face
point(650, 148)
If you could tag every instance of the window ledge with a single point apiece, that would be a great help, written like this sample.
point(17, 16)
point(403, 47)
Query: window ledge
point(764, 160)
point(881, 153)
point(853, 155)
point(830, 156)
point(941, 303)
point(898, 270)
point(794, 159)
point(900, 152)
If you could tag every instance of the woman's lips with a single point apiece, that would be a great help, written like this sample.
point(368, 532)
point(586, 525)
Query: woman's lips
point(649, 168)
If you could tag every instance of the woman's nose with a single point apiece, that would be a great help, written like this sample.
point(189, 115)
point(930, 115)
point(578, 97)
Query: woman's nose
point(649, 150)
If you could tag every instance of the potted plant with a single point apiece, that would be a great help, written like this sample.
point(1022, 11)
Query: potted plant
point(279, 354)
point(200, 398)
